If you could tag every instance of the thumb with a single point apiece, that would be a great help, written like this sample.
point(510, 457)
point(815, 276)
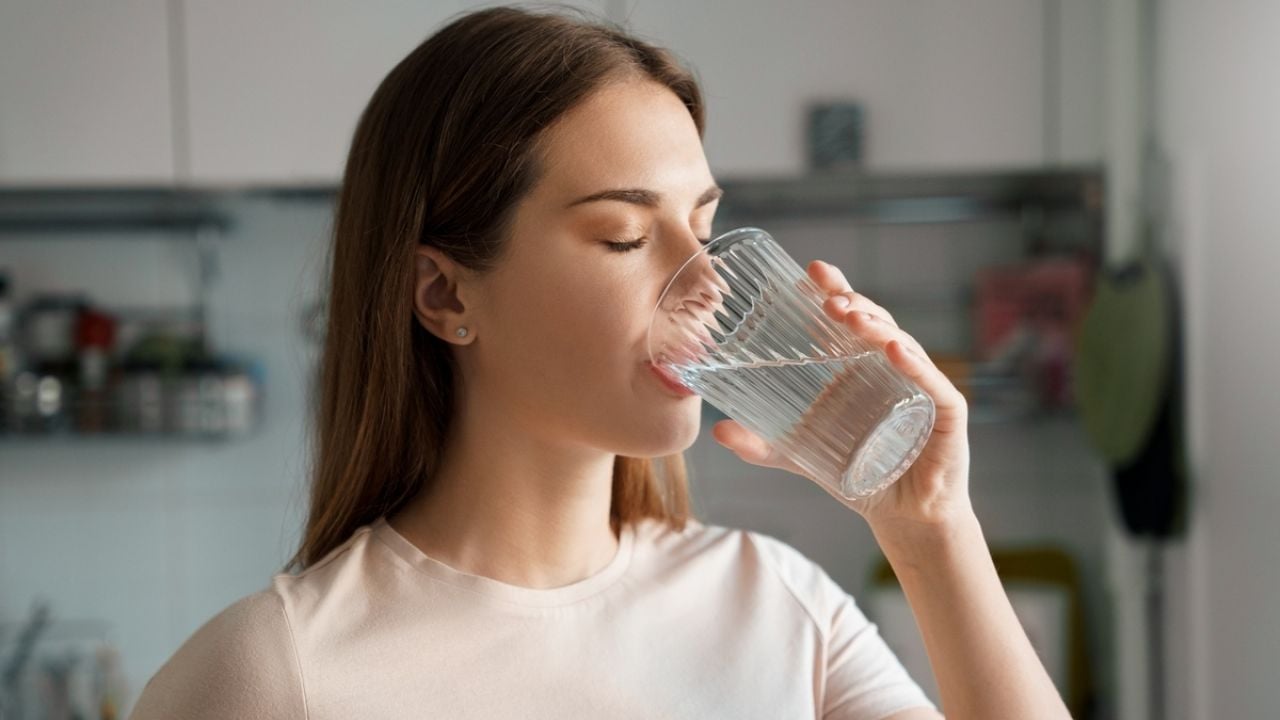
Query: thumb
point(746, 444)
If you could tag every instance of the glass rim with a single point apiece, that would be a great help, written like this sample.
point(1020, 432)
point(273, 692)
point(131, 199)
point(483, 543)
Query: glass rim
point(726, 238)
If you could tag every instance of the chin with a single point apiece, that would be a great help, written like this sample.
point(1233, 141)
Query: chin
point(670, 434)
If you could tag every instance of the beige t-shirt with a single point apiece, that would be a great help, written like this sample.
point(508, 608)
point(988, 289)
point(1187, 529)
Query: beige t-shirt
point(709, 622)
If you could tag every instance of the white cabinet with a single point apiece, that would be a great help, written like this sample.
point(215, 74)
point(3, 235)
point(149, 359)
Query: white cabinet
point(276, 88)
point(229, 92)
point(84, 93)
point(1081, 88)
point(943, 84)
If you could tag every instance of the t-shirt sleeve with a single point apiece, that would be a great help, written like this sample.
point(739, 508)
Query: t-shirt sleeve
point(862, 678)
point(242, 663)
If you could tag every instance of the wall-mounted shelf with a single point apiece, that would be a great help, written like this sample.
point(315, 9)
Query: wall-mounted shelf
point(126, 211)
point(915, 197)
point(200, 216)
point(882, 197)
point(1056, 207)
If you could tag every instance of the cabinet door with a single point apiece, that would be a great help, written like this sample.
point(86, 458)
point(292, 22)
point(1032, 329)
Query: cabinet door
point(84, 92)
point(943, 84)
point(276, 88)
point(1081, 88)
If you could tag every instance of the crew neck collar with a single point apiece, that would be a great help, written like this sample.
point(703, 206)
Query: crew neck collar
point(506, 592)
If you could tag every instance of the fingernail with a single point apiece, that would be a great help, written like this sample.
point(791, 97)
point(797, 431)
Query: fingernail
point(841, 301)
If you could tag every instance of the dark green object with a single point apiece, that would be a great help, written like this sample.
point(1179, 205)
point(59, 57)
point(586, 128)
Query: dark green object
point(1129, 390)
point(1122, 366)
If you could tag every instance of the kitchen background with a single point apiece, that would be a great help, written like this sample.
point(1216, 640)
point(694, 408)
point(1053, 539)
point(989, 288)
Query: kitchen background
point(166, 174)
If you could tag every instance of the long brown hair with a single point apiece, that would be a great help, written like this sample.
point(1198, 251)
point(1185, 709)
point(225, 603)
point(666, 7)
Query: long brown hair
point(441, 155)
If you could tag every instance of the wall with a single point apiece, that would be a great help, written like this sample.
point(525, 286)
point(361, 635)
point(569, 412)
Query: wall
point(1216, 117)
point(156, 537)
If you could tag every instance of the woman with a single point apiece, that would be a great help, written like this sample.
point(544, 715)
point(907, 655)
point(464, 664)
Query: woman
point(489, 535)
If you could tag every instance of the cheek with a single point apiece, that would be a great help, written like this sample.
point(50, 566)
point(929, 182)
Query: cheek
point(578, 346)
point(607, 322)
point(579, 327)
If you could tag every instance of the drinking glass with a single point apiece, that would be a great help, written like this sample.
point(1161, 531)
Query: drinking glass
point(742, 325)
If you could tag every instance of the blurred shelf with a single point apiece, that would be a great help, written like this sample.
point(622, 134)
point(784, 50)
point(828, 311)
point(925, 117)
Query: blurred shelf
point(78, 438)
point(216, 399)
point(79, 210)
point(182, 212)
point(915, 197)
point(922, 196)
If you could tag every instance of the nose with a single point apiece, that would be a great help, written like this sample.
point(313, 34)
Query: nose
point(696, 285)
point(680, 243)
point(680, 247)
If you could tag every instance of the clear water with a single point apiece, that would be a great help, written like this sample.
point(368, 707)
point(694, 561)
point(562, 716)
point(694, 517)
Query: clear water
point(835, 417)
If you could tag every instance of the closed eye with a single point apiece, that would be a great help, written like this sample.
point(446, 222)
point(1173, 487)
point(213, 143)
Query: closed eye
point(622, 246)
point(625, 245)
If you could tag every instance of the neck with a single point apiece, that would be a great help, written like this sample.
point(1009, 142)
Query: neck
point(531, 514)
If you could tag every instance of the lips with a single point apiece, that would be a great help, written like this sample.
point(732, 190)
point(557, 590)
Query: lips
point(672, 384)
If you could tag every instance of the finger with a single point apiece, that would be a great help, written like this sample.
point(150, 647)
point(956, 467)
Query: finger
point(746, 444)
point(878, 332)
point(952, 409)
point(828, 277)
point(909, 357)
point(838, 308)
point(831, 280)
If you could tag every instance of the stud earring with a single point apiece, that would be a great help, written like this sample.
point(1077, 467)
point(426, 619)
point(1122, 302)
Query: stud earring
point(461, 332)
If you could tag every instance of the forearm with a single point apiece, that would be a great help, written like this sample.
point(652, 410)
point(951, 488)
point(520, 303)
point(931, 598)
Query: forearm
point(983, 662)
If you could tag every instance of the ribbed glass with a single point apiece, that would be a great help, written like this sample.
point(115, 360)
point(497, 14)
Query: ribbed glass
point(742, 325)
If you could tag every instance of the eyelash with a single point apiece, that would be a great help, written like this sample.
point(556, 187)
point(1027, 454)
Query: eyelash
point(628, 246)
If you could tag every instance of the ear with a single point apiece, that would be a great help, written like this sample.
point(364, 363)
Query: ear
point(437, 300)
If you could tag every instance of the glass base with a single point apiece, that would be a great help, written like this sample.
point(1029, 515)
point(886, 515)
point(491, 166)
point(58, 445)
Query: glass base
point(884, 456)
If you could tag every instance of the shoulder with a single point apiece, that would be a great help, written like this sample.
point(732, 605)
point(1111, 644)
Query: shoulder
point(806, 580)
point(754, 554)
point(860, 675)
point(698, 538)
point(242, 662)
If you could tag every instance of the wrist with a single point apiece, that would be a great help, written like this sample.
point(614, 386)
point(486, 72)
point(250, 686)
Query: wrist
point(911, 545)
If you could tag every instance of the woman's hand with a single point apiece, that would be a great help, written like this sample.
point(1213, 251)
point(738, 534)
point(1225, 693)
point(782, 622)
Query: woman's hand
point(984, 664)
point(934, 491)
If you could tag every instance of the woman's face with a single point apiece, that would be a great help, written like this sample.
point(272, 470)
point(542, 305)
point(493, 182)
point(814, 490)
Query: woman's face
point(562, 322)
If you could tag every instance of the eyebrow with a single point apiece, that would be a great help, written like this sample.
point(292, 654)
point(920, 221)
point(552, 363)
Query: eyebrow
point(644, 198)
